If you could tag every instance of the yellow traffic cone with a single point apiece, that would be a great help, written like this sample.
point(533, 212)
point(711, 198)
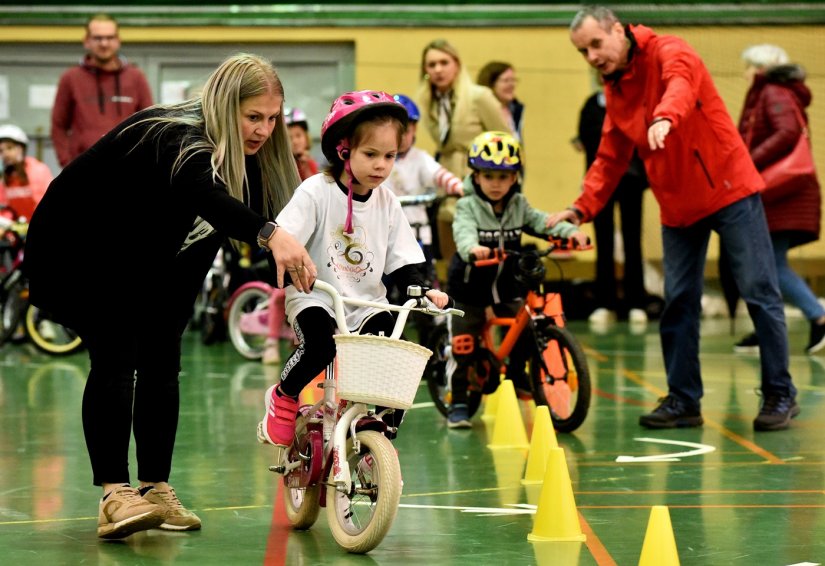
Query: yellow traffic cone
point(659, 548)
point(491, 405)
point(541, 441)
point(557, 553)
point(509, 431)
point(556, 516)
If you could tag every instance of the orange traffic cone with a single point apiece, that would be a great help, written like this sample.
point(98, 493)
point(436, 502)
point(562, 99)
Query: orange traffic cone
point(557, 518)
point(541, 441)
point(659, 548)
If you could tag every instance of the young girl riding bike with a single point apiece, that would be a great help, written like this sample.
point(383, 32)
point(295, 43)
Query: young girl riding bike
point(355, 230)
point(493, 214)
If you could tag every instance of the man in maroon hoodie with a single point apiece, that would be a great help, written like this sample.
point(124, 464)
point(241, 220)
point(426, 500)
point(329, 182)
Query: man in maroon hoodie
point(98, 94)
point(661, 101)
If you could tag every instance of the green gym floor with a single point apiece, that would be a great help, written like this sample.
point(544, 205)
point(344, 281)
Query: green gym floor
point(734, 496)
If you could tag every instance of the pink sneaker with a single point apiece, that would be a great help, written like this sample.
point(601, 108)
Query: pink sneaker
point(278, 424)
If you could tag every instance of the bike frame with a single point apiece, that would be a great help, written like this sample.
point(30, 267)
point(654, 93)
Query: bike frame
point(341, 418)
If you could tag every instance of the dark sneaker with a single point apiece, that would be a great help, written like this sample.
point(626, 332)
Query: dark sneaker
point(459, 417)
point(776, 412)
point(817, 341)
point(671, 413)
point(747, 345)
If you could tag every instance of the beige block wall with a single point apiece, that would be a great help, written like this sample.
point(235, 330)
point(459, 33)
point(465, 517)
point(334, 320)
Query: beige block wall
point(554, 82)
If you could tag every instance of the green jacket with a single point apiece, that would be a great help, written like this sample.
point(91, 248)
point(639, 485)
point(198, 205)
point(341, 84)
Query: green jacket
point(476, 224)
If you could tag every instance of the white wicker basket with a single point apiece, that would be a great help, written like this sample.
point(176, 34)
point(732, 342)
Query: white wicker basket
point(379, 370)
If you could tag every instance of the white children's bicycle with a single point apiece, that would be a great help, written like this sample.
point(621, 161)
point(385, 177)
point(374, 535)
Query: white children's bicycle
point(341, 457)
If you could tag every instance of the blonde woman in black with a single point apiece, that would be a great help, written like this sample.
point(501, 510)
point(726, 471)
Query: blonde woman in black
point(170, 182)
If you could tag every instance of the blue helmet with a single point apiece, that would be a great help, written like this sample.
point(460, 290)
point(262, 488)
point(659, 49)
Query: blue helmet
point(412, 109)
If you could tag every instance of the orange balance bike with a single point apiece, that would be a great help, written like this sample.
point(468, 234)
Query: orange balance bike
point(556, 365)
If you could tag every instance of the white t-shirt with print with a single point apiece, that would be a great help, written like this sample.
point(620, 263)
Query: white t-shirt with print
point(382, 241)
point(414, 174)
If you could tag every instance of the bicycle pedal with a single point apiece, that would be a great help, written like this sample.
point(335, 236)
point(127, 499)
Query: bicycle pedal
point(277, 469)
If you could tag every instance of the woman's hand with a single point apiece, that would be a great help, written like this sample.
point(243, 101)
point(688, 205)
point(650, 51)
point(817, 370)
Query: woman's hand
point(291, 256)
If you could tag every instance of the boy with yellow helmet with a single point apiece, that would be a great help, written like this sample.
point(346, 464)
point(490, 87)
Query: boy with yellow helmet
point(493, 214)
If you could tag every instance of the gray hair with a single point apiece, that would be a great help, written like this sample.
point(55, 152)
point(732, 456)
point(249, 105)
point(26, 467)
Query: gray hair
point(604, 16)
point(765, 56)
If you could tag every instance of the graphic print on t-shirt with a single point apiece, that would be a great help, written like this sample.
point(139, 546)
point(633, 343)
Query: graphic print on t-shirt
point(349, 256)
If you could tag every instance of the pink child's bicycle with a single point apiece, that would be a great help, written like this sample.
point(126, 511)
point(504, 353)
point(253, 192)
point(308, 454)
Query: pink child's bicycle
point(341, 457)
point(248, 319)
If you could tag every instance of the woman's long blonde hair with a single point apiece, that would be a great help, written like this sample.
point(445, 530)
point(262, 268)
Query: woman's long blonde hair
point(461, 86)
point(213, 120)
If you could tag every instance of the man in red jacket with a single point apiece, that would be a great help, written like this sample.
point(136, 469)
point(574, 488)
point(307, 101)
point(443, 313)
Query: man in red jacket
point(96, 95)
point(662, 102)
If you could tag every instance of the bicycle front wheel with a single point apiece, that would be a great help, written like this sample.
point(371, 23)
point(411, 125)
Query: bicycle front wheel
point(49, 336)
point(247, 324)
point(566, 388)
point(360, 519)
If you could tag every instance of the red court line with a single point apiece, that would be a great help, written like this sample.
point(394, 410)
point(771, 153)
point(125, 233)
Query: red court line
point(278, 539)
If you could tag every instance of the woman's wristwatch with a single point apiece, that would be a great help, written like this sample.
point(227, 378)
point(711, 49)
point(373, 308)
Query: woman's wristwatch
point(266, 234)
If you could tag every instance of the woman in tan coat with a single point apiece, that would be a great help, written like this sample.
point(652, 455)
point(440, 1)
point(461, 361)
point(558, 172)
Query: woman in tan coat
point(454, 111)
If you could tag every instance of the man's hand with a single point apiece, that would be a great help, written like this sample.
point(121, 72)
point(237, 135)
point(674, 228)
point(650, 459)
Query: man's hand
point(292, 256)
point(480, 252)
point(565, 215)
point(656, 134)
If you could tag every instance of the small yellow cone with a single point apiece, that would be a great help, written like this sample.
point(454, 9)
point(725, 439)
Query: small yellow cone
point(659, 548)
point(491, 405)
point(557, 518)
point(509, 431)
point(541, 441)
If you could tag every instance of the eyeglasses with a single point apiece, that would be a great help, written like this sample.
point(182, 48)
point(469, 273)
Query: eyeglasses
point(102, 38)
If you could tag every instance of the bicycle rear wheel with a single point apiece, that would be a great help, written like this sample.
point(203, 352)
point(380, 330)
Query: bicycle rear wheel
point(360, 519)
point(49, 336)
point(250, 302)
point(566, 389)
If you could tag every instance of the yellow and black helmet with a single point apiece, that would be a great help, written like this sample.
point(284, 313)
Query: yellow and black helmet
point(495, 150)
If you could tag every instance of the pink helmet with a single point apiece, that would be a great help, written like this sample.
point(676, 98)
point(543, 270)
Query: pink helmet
point(338, 126)
point(343, 111)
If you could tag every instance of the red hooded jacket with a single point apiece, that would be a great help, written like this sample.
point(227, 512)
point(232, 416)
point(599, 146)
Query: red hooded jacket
point(704, 166)
point(91, 101)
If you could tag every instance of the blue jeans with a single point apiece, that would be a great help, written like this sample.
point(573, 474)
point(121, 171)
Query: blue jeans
point(793, 287)
point(743, 232)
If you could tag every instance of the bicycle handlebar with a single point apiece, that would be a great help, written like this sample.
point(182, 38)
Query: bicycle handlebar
point(419, 304)
point(499, 254)
point(410, 200)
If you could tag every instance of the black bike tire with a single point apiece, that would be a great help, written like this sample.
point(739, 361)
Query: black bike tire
point(567, 343)
point(12, 308)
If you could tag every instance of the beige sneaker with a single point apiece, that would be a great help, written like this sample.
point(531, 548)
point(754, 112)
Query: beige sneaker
point(123, 512)
point(178, 517)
